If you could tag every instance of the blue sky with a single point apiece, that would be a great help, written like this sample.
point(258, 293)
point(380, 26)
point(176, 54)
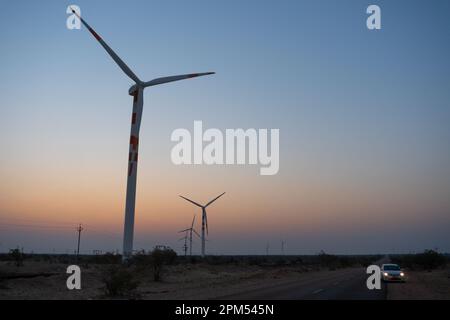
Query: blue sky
point(362, 114)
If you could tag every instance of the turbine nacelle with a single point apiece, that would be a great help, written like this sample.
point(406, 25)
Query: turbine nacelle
point(133, 89)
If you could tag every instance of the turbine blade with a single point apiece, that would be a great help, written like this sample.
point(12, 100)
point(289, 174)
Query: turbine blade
point(181, 239)
point(199, 205)
point(193, 219)
point(214, 199)
point(206, 222)
point(196, 233)
point(184, 230)
point(162, 80)
point(113, 55)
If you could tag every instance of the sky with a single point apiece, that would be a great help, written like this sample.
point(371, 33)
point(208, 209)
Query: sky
point(363, 118)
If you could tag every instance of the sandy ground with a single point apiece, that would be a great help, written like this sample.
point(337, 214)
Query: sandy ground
point(198, 281)
point(43, 280)
point(423, 285)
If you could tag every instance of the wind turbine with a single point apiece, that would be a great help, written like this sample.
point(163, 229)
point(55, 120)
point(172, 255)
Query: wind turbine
point(204, 218)
point(185, 242)
point(136, 90)
point(190, 230)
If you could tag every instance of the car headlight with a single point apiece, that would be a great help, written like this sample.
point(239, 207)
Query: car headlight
point(402, 274)
point(385, 274)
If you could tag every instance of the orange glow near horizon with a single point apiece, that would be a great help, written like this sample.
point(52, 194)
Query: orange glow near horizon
point(260, 205)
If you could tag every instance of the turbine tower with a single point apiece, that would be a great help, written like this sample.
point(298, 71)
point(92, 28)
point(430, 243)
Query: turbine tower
point(136, 91)
point(204, 218)
point(190, 230)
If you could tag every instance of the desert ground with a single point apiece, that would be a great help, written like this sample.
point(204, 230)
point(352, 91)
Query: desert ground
point(218, 277)
point(40, 280)
point(313, 277)
point(429, 285)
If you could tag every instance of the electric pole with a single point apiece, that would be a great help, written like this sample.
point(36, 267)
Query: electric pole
point(79, 229)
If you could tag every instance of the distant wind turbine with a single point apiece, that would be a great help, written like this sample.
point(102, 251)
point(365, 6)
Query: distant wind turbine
point(136, 90)
point(185, 243)
point(190, 230)
point(204, 218)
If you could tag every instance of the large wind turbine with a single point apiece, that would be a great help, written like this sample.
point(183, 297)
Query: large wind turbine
point(136, 90)
point(190, 230)
point(204, 218)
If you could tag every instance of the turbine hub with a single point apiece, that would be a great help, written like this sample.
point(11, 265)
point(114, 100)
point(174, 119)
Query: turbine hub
point(133, 89)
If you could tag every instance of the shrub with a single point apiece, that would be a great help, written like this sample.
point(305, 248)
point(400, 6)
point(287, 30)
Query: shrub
point(107, 258)
point(17, 256)
point(2, 280)
point(345, 262)
point(140, 259)
point(254, 261)
point(430, 260)
point(327, 260)
point(119, 281)
point(220, 260)
point(155, 259)
point(366, 261)
point(159, 258)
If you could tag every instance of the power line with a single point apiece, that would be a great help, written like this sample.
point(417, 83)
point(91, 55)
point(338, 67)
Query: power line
point(52, 222)
point(116, 236)
point(35, 226)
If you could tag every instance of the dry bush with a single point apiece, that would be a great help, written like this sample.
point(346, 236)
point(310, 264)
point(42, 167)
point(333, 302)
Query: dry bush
point(119, 281)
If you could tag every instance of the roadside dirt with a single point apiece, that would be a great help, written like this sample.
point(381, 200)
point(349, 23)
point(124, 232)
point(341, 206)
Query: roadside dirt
point(48, 281)
point(422, 285)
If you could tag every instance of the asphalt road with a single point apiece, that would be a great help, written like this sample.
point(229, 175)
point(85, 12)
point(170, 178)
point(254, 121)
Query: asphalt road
point(347, 284)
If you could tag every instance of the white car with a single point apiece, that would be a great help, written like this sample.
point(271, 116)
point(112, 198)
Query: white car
point(392, 272)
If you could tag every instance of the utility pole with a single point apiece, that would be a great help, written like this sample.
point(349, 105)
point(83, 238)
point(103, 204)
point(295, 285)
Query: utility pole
point(79, 229)
point(282, 247)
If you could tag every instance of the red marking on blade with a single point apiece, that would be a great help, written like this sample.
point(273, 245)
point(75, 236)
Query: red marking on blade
point(130, 168)
point(133, 118)
point(193, 75)
point(95, 34)
point(134, 141)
